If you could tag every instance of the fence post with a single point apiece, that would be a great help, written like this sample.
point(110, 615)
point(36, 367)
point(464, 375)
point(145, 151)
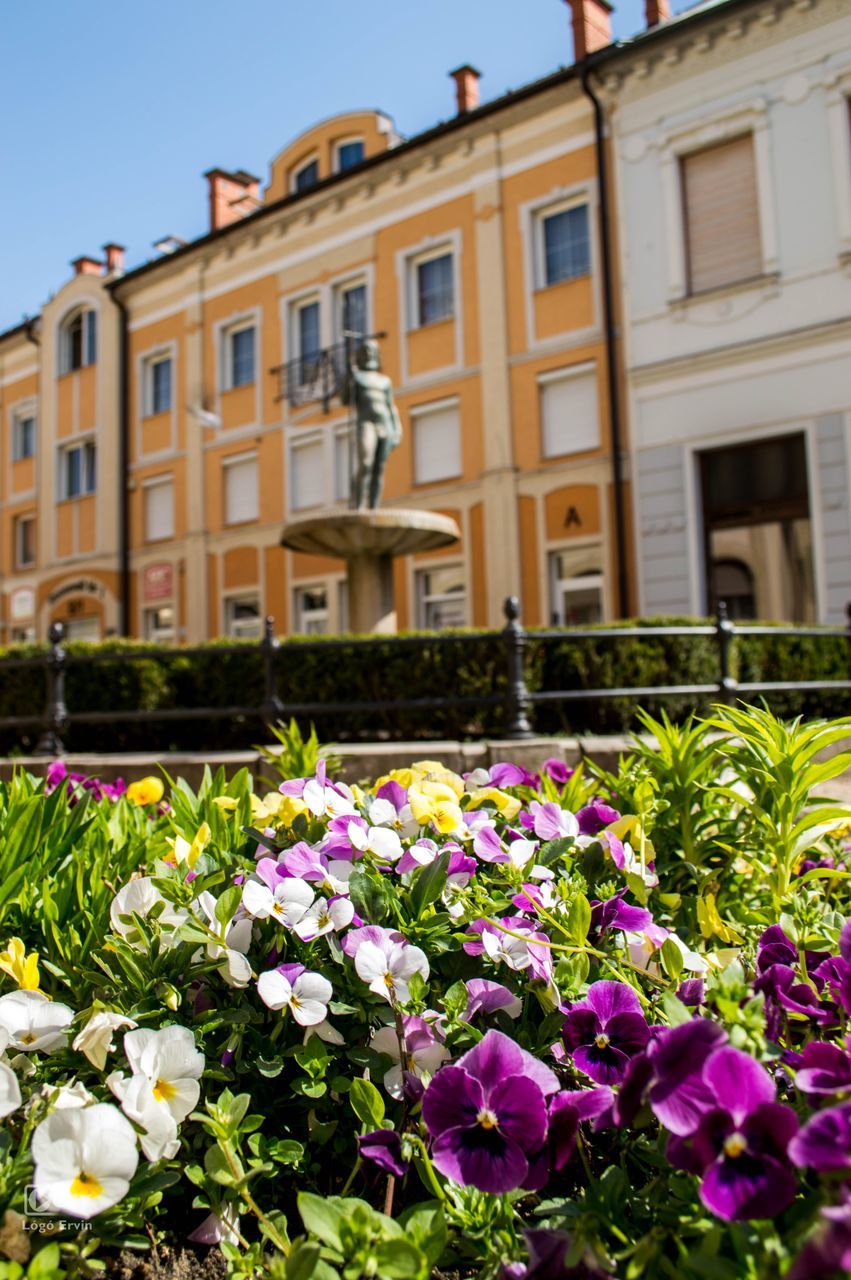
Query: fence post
point(724, 632)
point(272, 709)
point(55, 713)
point(516, 694)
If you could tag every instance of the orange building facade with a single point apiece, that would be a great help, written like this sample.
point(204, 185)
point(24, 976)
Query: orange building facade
point(153, 448)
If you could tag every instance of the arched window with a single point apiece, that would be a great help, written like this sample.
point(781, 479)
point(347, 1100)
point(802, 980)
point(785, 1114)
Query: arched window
point(78, 340)
point(733, 582)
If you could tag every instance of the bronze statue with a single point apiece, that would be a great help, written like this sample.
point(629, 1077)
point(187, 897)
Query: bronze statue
point(378, 428)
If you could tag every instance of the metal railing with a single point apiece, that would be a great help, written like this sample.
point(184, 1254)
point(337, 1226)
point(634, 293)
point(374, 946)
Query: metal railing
point(516, 701)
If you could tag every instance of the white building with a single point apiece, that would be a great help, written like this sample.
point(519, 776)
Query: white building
point(731, 132)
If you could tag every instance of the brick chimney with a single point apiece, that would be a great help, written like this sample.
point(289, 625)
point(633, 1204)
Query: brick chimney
point(592, 26)
point(86, 266)
point(114, 258)
point(232, 196)
point(656, 11)
point(466, 87)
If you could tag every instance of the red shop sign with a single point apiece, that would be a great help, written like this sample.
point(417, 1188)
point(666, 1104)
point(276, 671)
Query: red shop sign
point(158, 580)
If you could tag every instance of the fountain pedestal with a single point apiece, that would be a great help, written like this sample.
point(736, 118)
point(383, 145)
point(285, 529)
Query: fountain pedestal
point(369, 540)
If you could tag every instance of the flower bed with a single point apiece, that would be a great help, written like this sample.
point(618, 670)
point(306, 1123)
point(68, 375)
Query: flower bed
point(499, 1025)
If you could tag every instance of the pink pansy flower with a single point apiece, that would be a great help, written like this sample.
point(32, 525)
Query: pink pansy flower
point(282, 897)
point(292, 987)
point(423, 1052)
point(528, 952)
point(383, 842)
point(551, 822)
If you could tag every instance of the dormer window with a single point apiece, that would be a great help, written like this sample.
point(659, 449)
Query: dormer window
point(78, 340)
point(307, 176)
point(349, 154)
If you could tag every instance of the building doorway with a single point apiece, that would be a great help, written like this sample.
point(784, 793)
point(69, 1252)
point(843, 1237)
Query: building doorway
point(758, 551)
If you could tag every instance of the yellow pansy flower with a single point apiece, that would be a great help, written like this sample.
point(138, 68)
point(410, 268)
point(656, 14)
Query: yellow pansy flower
point(436, 803)
point(434, 771)
point(226, 803)
point(404, 777)
point(507, 805)
point(145, 791)
point(21, 968)
point(183, 851)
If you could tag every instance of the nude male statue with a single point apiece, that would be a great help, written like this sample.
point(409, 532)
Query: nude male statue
point(378, 427)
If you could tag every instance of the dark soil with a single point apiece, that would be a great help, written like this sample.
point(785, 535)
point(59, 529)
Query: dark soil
point(169, 1264)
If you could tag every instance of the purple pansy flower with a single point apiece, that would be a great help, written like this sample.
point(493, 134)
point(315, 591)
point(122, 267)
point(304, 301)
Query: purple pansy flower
point(487, 1114)
point(830, 1252)
point(824, 1143)
point(614, 913)
point(691, 992)
point(823, 1068)
point(605, 1030)
point(547, 1254)
point(484, 996)
point(740, 1144)
point(669, 1075)
point(557, 771)
point(595, 816)
point(383, 1147)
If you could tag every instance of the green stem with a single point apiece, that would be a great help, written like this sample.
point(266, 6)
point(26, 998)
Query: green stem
point(270, 1229)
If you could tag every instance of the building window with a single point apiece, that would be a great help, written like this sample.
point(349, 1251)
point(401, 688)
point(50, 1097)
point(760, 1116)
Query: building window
point(23, 436)
point(576, 588)
point(565, 246)
point(307, 473)
point(352, 311)
point(159, 510)
point(307, 176)
point(309, 341)
point(240, 486)
point(569, 413)
point(157, 385)
point(757, 531)
point(343, 465)
point(434, 293)
point(24, 541)
point(721, 213)
point(78, 470)
point(349, 154)
point(158, 624)
point(441, 597)
point(23, 635)
point(437, 442)
point(242, 617)
point(239, 356)
point(311, 611)
point(78, 341)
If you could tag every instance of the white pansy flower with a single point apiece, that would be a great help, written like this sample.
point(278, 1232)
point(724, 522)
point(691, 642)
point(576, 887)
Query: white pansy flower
point(10, 1091)
point(33, 1022)
point(235, 938)
point(511, 951)
point(96, 1038)
point(333, 802)
point(423, 1056)
point(84, 1159)
point(139, 897)
point(305, 994)
point(325, 916)
point(388, 967)
point(287, 903)
point(163, 1088)
point(64, 1097)
point(384, 842)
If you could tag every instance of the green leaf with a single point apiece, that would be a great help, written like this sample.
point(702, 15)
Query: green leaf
point(228, 903)
point(425, 1226)
point(675, 1011)
point(399, 1260)
point(322, 1218)
point(579, 918)
point(367, 1103)
point(302, 1260)
point(672, 960)
point(429, 884)
point(370, 896)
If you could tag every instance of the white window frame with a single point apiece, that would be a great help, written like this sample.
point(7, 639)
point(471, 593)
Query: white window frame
point(344, 142)
point(79, 442)
point(157, 482)
point(159, 635)
point(302, 617)
point(588, 554)
point(313, 158)
point(530, 217)
point(242, 629)
point(414, 263)
point(19, 522)
point(296, 306)
point(576, 201)
point(417, 413)
point(234, 460)
point(24, 412)
point(674, 147)
point(421, 600)
point(148, 364)
point(407, 260)
point(226, 333)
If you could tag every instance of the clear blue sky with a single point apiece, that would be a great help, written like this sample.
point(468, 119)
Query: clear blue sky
point(113, 109)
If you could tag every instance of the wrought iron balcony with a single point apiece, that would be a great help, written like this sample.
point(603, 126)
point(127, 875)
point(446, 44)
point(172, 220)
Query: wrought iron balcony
point(318, 376)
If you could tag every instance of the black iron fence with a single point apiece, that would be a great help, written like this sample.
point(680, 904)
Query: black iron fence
point(511, 699)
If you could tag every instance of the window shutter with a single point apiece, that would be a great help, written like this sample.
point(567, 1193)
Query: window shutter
point(437, 444)
point(241, 491)
point(159, 511)
point(721, 215)
point(569, 415)
point(308, 478)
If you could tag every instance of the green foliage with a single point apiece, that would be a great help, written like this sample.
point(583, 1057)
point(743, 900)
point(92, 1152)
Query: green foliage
point(298, 757)
point(377, 675)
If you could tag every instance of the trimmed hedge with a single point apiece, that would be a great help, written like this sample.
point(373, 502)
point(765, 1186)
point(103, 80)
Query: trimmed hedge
point(471, 664)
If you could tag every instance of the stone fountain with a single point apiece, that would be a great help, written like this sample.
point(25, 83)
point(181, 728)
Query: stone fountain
point(367, 536)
